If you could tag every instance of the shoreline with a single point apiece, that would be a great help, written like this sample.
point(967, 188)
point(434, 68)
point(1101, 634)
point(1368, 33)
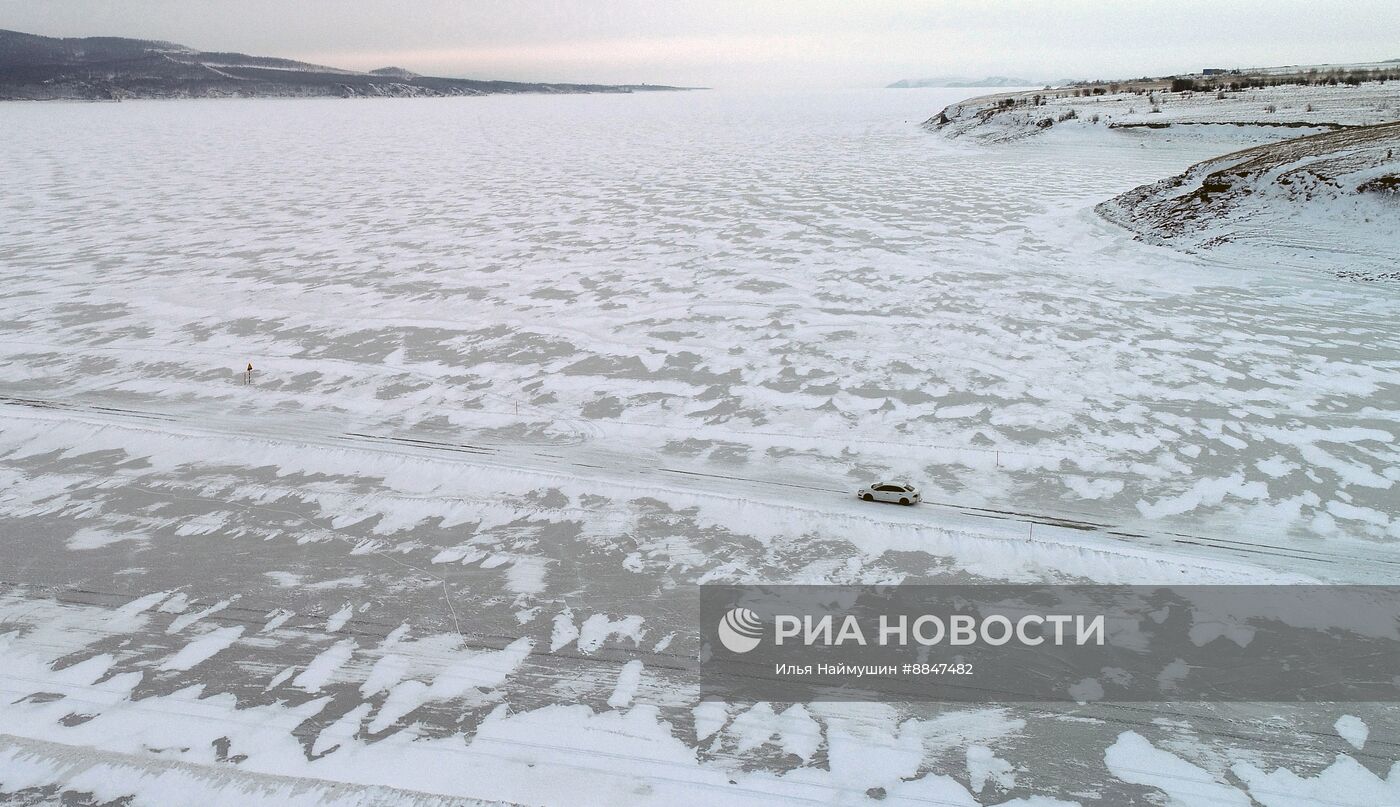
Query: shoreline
point(1328, 169)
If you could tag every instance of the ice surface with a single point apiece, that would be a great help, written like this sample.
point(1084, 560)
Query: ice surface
point(527, 377)
point(917, 305)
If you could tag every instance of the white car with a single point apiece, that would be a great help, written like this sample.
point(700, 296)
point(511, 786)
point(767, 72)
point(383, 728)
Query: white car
point(897, 492)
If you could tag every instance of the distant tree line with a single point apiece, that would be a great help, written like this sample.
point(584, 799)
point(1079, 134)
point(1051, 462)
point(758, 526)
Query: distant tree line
point(1234, 81)
point(1314, 77)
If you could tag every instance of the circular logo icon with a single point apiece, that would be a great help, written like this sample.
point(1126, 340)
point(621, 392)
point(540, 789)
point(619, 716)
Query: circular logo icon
point(740, 630)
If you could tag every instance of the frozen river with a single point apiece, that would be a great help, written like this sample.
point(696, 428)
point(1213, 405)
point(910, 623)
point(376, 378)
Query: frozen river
point(529, 369)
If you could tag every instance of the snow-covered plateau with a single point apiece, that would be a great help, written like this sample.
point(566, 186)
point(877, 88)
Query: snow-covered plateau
point(528, 370)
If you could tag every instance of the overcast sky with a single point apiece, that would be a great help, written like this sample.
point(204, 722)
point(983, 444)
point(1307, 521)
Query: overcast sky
point(750, 43)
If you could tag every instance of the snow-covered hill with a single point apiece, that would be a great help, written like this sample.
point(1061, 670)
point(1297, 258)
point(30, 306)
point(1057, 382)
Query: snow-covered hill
point(1330, 201)
point(101, 68)
point(1317, 186)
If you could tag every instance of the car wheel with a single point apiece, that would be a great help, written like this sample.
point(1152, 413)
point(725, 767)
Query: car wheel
point(903, 501)
point(868, 497)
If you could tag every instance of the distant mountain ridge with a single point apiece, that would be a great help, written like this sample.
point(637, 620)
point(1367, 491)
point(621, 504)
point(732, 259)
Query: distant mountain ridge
point(34, 67)
point(989, 81)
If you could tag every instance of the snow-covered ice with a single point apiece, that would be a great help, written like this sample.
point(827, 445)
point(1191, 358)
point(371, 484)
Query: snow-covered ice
point(203, 648)
point(525, 368)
